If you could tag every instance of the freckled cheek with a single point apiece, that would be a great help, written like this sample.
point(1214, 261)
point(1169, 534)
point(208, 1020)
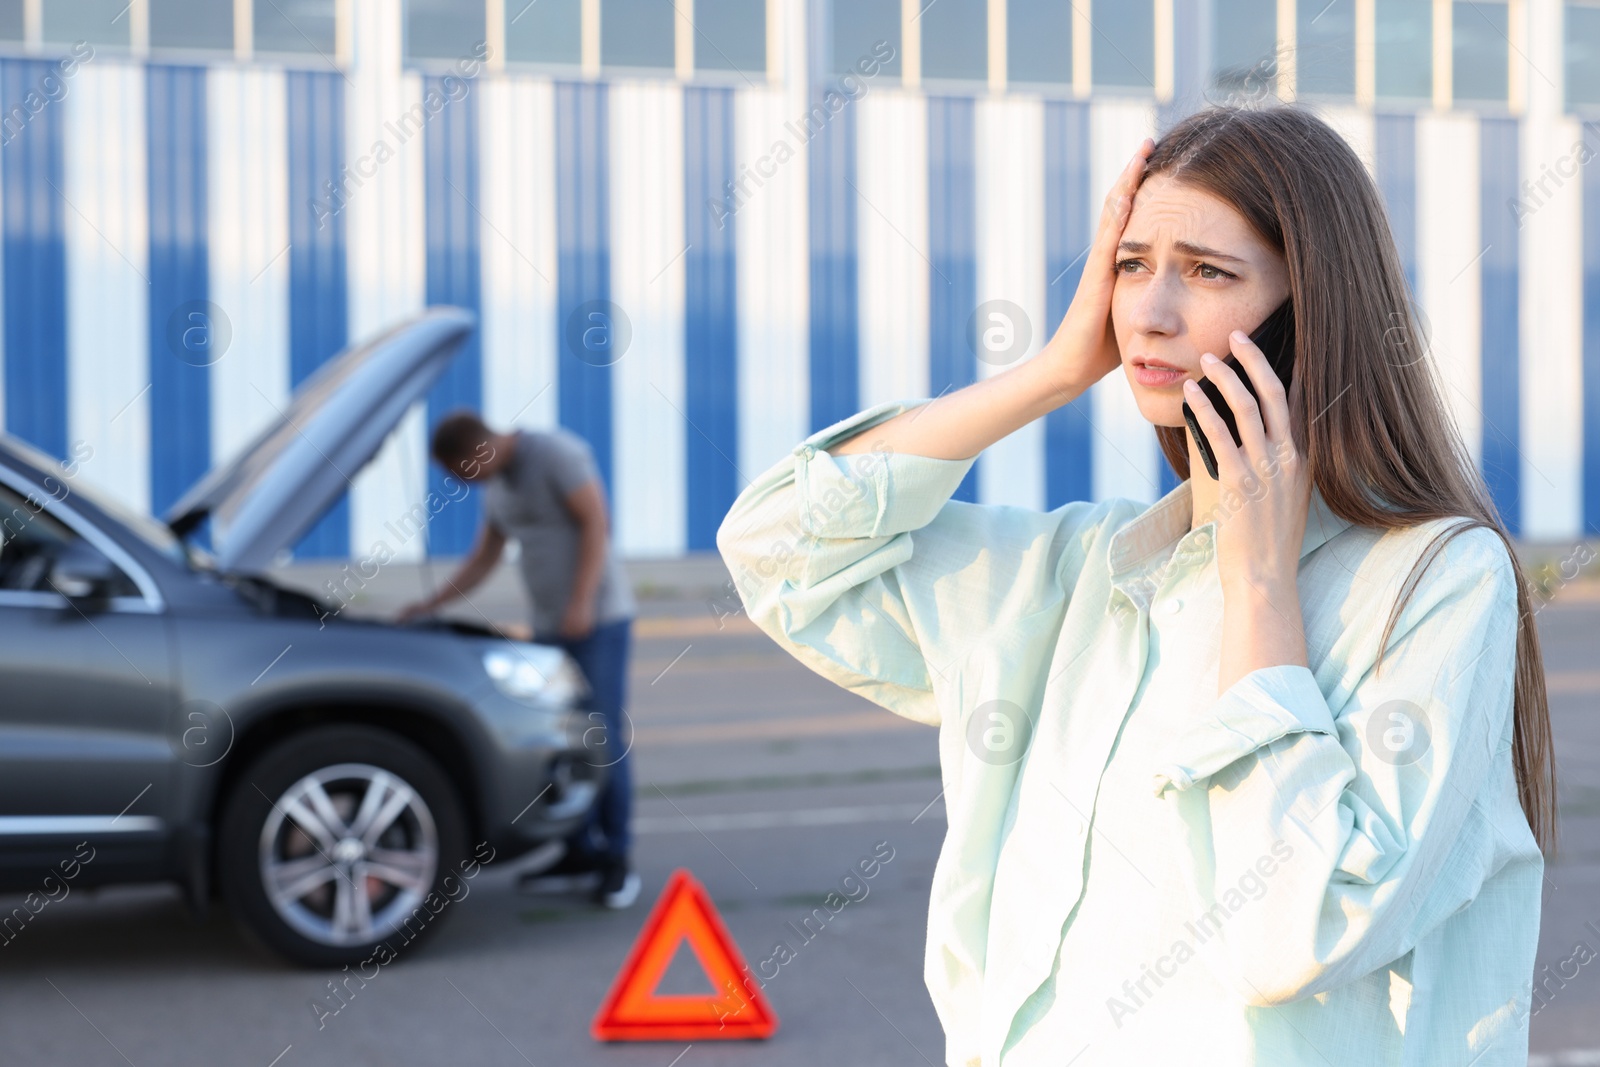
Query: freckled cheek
point(1211, 336)
point(1121, 306)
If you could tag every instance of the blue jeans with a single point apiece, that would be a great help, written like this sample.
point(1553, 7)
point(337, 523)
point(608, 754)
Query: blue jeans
point(603, 658)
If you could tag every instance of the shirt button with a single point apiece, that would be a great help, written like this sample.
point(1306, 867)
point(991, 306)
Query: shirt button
point(805, 451)
point(1173, 606)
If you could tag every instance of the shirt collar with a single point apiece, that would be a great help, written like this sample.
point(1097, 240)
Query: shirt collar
point(1167, 521)
point(504, 474)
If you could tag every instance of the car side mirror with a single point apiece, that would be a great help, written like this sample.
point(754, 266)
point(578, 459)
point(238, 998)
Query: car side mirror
point(80, 572)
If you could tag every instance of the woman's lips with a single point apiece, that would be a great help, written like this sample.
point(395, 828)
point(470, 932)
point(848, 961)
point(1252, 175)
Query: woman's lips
point(1154, 377)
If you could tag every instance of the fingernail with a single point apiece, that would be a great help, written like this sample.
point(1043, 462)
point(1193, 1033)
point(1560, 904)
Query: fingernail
point(1208, 358)
point(1189, 386)
point(1239, 335)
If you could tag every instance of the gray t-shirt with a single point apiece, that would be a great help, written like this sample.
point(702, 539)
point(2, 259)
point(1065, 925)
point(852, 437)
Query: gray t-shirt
point(525, 501)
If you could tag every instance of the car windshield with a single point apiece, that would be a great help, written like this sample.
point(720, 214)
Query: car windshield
point(149, 530)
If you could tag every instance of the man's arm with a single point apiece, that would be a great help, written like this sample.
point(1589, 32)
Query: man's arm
point(478, 565)
point(587, 506)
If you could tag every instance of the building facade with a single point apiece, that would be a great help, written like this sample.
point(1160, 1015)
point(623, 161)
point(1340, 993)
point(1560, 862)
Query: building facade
point(694, 232)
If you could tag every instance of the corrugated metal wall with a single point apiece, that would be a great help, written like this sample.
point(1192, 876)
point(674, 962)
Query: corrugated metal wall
point(1590, 213)
point(588, 328)
point(1068, 226)
point(952, 253)
point(691, 277)
point(34, 266)
point(711, 312)
point(184, 334)
point(454, 258)
point(319, 311)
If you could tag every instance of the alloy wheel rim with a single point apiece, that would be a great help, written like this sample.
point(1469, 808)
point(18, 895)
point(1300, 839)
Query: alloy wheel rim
point(347, 853)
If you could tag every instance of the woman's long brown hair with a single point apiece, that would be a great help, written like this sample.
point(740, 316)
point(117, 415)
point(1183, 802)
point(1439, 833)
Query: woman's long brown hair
point(1382, 448)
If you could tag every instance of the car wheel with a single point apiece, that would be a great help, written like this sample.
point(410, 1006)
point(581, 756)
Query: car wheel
point(337, 841)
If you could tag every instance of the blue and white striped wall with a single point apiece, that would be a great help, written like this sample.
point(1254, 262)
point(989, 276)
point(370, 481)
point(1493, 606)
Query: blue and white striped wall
point(837, 272)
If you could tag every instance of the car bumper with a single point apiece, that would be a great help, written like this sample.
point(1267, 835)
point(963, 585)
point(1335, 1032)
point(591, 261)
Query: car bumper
point(551, 765)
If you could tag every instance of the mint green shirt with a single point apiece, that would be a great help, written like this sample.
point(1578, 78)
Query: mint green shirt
point(1323, 866)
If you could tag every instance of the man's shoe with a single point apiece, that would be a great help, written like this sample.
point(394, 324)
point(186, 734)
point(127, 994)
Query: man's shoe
point(574, 870)
point(619, 885)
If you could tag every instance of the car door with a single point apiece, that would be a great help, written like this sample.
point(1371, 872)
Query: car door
point(86, 695)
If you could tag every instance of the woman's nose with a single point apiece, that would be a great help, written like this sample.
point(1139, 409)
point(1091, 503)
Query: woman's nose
point(1155, 308)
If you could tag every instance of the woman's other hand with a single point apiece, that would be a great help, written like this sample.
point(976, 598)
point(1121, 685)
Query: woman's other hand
point(1264, 486)
point(1084, 347)
point(1264, 493)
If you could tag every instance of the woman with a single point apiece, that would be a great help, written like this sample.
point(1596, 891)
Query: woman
point(1257, 774)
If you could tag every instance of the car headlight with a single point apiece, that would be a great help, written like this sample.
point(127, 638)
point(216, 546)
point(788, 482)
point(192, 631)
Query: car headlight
point(534, 674)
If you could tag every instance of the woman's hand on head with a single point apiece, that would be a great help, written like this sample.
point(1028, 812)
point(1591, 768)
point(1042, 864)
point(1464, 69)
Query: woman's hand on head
point(1084, 346)
point(961, 424)
point(1265, 488)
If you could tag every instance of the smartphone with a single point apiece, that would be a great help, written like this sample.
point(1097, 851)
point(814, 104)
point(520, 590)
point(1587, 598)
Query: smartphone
point(1275, 338)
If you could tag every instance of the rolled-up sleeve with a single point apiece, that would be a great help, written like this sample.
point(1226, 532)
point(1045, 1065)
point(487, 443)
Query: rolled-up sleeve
point(865, 570)
point(1348, 805)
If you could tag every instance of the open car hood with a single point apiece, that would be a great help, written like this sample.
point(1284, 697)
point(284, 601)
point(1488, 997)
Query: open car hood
point(268, 495)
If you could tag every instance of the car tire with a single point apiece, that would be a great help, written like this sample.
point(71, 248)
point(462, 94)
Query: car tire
point(337, 842)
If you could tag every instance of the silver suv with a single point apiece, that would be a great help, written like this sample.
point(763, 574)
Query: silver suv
point(170, 713)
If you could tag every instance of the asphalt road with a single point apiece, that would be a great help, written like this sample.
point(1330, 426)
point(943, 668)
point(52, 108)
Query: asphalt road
point(765, 782)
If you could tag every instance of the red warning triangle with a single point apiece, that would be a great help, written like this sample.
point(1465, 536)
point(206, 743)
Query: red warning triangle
point(633, 1011)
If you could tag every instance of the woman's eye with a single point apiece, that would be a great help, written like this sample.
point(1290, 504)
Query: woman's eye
point(1216, 272)
point(1121, 263)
